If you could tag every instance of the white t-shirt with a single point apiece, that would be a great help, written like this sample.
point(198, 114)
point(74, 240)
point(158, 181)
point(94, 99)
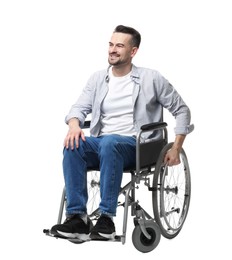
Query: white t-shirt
point(117, 108)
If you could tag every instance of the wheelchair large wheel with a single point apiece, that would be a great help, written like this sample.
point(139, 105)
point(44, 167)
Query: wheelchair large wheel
point(171, 194)
point(141, 242)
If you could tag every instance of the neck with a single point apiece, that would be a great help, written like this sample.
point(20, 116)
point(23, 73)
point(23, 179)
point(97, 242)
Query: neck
point(120, 71)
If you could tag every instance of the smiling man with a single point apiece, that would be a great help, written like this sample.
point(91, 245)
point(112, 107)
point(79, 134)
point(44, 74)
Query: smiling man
point(121, 99)
point(121, 52)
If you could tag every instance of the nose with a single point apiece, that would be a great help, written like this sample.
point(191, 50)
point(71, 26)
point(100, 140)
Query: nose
point(112, 49)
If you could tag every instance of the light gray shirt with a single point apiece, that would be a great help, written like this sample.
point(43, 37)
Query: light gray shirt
point(152, 92)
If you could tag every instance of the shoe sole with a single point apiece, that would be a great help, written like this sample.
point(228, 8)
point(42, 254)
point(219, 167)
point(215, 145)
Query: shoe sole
point(102, 236)
point(82, 237)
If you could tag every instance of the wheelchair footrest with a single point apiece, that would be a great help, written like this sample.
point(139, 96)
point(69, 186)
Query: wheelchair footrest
point(73, 240)
point(77, 240)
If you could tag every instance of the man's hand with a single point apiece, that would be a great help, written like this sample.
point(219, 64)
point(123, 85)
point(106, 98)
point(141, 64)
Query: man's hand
point(73, 135)
point(172, 157)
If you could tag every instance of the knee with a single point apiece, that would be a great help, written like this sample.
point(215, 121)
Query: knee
point(75, 150)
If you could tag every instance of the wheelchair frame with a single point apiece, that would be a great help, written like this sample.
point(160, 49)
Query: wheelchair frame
point(170, 188)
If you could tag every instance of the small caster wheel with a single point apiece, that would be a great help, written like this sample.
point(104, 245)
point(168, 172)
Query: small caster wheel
point(141, 242)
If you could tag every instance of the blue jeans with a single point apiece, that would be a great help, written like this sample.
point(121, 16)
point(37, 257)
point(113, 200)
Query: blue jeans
point(112, 154)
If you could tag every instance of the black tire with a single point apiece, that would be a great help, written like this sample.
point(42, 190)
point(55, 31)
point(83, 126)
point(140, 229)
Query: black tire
point(141, 242)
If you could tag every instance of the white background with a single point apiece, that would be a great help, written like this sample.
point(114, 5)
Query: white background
point(48, 49)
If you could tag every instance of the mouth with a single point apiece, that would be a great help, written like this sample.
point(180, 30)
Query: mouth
point(113, 55)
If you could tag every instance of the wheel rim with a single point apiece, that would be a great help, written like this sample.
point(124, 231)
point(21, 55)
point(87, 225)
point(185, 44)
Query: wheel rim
point(174, 195)
point(171, 195)
point(146, 241)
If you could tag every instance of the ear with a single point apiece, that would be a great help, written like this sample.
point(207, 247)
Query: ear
point(134, 51)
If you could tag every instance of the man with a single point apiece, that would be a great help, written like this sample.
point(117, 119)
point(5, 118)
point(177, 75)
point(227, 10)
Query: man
point(121, 99)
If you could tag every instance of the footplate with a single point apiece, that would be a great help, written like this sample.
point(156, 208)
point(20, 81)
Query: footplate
point(73, 240)
point(77, 240)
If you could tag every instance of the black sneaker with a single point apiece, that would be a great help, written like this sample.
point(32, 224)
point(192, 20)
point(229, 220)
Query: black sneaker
point(73, 227)
point(104, 229)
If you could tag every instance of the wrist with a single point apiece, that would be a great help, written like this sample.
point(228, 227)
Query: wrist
point(73, 122)
point(176, 148)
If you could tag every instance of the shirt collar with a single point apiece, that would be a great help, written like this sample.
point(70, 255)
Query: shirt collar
point(134, 73)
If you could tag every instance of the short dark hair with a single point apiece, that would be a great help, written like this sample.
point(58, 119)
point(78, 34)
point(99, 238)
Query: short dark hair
point(136, 37)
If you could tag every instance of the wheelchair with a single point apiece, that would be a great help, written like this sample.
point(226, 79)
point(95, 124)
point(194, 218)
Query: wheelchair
point(169, 186)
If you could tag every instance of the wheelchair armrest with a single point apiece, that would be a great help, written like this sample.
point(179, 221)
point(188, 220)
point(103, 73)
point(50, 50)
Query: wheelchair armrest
point(86, 124)
point(153, 126)
point(147, 127)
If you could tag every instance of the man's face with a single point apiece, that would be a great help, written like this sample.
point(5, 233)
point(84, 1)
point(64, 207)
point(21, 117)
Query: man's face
point(120, 49)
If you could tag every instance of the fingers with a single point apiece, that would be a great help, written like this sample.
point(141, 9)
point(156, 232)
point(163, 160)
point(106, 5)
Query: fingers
point(82, 136)
point(72, 140)
point(171, 159)
point(172, 162)
point(69, 141)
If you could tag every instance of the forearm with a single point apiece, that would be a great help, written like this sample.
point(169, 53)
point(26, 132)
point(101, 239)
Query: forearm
point(172, 156)
point(178, 143)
